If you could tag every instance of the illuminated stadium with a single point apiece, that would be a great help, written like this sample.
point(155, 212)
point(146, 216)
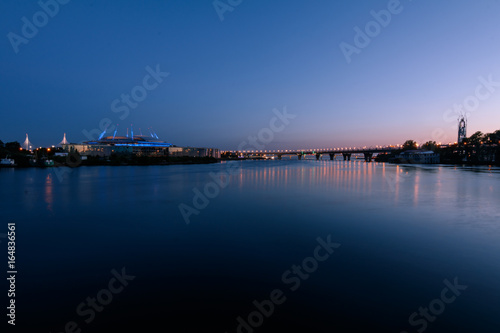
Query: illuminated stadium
point(141, 145)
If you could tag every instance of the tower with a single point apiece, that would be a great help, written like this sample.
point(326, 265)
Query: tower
point(27, 144)
point(462, 129)
point(64, 141)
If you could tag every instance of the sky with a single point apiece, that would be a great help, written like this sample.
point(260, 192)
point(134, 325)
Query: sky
point(214, 73)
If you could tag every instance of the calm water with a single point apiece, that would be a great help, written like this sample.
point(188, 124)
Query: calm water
point(402, 231)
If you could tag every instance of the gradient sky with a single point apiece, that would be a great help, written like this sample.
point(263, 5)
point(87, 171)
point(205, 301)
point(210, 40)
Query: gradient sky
point(226, 77)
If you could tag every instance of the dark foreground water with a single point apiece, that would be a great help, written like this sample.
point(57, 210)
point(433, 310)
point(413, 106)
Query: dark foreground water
point(283, 246)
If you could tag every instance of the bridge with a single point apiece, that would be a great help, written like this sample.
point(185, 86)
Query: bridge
point(345, 152)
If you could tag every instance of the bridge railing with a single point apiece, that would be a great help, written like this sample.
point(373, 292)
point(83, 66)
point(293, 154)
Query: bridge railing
point(316, 151)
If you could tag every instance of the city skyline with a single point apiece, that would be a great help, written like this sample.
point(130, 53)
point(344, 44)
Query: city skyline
point(213, 74)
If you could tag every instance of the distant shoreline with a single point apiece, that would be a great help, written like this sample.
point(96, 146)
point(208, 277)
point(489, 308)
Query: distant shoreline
point(82, 163)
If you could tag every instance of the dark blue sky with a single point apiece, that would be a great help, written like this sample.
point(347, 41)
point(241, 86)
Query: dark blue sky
point(226, 77)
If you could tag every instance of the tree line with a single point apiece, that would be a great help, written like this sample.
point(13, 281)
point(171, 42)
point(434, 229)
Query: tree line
point(479, 148)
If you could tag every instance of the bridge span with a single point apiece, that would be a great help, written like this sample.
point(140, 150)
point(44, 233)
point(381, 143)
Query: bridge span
point(345, 152)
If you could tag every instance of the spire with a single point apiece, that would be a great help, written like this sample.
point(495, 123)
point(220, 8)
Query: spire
point(27, 144)
point(153, 134)
point(102, 134)
point(64, 141)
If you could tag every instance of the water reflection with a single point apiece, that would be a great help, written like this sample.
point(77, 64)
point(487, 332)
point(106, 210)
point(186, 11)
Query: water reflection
point(352, 176)
point(442, 188)
point(49, 192)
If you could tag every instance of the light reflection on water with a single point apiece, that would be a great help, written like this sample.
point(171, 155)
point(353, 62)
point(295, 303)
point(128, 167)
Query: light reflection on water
point(402, 227)
point(49, 194)
point(461, 192)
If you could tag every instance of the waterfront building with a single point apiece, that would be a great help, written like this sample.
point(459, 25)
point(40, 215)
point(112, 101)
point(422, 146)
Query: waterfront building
point(193, 152)
point(418, 157)
point(140, 145)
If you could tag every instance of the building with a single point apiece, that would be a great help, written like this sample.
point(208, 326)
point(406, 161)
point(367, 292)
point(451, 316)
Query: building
point(194, 152)
point(137, 145)
point(418, 157)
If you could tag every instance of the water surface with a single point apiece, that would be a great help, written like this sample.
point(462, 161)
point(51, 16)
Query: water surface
point(402, 231)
